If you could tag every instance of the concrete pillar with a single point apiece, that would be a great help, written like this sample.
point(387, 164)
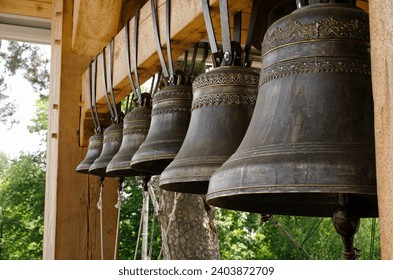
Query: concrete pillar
point(381, 29)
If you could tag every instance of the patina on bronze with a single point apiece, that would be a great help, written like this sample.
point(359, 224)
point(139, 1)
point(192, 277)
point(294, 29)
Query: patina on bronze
point(311, 137)
point(136, 123)
point(95, 141)
point(222, 106)
point(114, 133)
point(170, 114)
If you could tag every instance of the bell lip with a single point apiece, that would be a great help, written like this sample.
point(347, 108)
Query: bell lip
point(122, 169)
point(82, 170)
point(323, 206)
point(316, 204)
point(190, 187)
point(155, 164)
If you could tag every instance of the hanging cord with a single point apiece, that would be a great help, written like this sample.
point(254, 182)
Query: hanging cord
point(139, 235)
point(270, 218)
point(145, 223)
point(99, 206)
point(314, 227)
point(373, 223)
point(118, 206)
point(171, 218)
point(155, 216)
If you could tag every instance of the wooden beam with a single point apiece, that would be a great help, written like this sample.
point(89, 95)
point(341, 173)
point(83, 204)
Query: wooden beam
point(71, 225)
point(31, 8)
point(187, 29)
point(95, 22)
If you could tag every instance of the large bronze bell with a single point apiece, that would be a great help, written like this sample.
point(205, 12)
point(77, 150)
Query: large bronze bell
point(136, 125)
point(223, 102)
point(222, 106)
point(309, 148)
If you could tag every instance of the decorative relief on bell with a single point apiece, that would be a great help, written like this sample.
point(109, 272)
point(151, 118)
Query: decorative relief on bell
point(114, 133)
point(331, 28)
point(223, 99)
point(225, 78)
point(314, 65)
point(95, 141)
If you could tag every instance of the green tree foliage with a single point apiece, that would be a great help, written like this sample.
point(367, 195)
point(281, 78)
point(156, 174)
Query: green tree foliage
point(247, 236)
point(31, 60)
point(7, 109)
point(28, 58)
point(131, 208)
point(22, 207)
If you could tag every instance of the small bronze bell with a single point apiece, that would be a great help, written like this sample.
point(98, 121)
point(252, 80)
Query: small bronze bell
point(136, 122)
point(136, 126)
point(95, 141)
point(309, 148)
point(170, 116)
point(114, 133)
point(93, 152)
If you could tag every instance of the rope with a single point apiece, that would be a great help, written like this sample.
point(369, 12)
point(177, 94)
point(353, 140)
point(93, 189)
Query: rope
point(151, 237)
point(118, 206)
point(312, 230)
point(290, 237)
point(171, 218)
point(139, 235)
point(99, 206)
point(372, 238)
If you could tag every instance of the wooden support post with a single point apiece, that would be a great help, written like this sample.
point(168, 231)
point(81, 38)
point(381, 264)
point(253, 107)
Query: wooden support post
point(71, 229)
point(381, 26)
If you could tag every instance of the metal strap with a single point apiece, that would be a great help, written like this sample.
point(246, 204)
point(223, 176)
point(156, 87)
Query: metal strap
point(127, 33)
point(157, 37)
point(226, 33)
point(192, 65)
point(237, 33)
point(210, 33)
point(111, 80)
point(172, 78)
point(105, 84)
point(91, 97)
point(94, 100)
point(135, 56)
point(251, 27)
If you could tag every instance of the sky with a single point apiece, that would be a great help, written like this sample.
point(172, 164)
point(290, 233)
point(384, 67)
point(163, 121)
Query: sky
point(18, 139)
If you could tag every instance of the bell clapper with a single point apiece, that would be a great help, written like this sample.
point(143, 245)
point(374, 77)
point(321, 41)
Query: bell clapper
point(347, 226)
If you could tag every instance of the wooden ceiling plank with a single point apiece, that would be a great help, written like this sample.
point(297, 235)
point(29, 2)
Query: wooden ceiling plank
point(94, 24)
point(30, 8)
